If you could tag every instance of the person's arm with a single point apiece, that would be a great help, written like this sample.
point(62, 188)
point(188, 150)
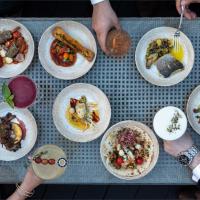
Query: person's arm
point(103, 19)
point(189, 14)
point(30, 182)
point(182, 144)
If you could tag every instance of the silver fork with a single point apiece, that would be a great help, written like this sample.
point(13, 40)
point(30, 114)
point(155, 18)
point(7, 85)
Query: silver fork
point(177, 33)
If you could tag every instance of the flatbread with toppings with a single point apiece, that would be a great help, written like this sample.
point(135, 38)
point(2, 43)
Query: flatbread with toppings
point(128, 151)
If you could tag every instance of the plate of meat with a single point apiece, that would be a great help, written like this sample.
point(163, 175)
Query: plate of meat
point(67, 50)
point(16, 48)
point(18, 132)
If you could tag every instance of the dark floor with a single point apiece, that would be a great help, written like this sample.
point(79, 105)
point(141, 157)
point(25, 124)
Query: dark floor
point(125, 192)
point(64, 8)
point(83, 8)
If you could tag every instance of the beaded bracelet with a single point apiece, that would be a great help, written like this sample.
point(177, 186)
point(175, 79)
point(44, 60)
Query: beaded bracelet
point(23, 192)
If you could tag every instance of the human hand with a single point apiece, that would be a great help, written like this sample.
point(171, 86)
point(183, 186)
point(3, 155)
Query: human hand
point(103, 19)
point(189, 14)
point(30, 182)
point(176, 146)
point(182, 144)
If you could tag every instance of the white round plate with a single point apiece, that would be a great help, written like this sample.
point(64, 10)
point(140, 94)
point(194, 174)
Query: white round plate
point(193, 102)
point(79, 32)
point(162, 120)
point(31, 133)
point(11, 70)
point(93, 94)
point(131, 124)
point(152, 75)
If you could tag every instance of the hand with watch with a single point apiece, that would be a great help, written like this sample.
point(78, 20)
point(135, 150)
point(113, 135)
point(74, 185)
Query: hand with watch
point(186, 153)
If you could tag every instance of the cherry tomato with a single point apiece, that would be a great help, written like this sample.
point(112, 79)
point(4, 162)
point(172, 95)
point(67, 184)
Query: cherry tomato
point(73, 102)
point(139, 160)
point(52, 161)
point(38, 160)
point(119, 161)
point(45, 161)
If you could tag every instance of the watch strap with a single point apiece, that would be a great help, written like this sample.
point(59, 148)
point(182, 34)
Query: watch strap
point(193, 150)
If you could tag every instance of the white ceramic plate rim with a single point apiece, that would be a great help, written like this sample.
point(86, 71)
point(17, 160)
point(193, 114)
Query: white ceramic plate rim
point(21, 67)
point(27, 114)
point(75, 135)
point(66, 76)
point(148, 131)
point(188, 110)
point(165, 81)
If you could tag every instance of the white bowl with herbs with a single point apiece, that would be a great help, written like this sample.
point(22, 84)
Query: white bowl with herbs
point(170, 123)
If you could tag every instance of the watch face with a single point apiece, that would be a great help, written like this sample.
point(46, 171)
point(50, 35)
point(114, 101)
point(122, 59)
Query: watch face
point(184, 160)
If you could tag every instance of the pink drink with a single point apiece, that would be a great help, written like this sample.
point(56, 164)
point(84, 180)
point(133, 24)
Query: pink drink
point(24, 91)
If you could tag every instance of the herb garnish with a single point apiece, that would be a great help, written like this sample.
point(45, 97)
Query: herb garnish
point(7, 95)
point(40, 154)
point(174, 123)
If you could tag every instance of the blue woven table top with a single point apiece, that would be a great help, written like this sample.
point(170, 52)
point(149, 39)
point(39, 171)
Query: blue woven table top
point(131, 97)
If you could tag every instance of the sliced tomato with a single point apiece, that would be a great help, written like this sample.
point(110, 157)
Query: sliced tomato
point(139, 160)
point(119, 161)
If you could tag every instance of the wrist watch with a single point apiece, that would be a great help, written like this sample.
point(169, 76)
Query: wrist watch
point(185, 157)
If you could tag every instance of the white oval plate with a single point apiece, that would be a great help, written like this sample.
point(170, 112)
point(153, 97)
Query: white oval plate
point(130, 123)
point(152, 75)
point(93, 94)
point(31, 133)
point(193, 102)
point(79, 32)
point(11, 70)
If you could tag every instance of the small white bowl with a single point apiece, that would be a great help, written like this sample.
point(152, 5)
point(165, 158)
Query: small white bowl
point(162, 120)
